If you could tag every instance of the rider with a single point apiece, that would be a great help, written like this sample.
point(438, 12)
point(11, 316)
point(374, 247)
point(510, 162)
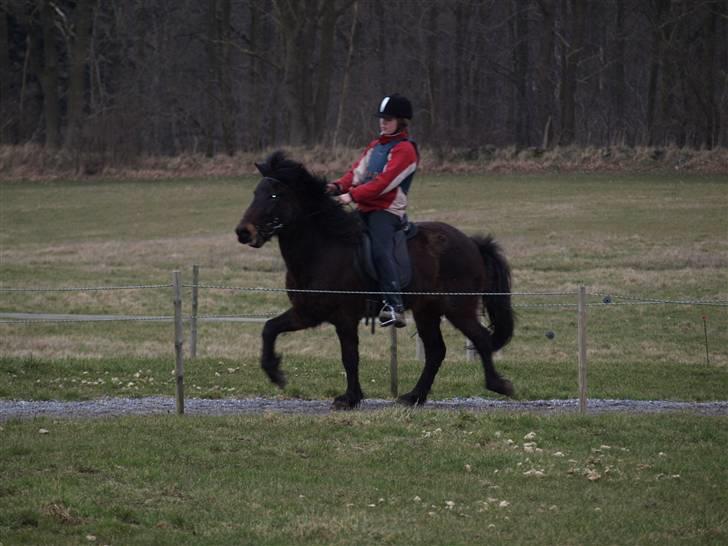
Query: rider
point(378, 183)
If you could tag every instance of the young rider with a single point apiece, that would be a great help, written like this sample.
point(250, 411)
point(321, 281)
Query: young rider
point(378, 184)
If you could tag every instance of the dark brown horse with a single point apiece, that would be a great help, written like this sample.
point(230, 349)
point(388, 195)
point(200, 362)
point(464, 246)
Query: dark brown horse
point(319, 240)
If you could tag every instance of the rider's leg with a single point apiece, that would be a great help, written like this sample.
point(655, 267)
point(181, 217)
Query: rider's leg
point(382, 226)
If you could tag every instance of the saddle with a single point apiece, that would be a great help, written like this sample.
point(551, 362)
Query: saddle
point(401, 255)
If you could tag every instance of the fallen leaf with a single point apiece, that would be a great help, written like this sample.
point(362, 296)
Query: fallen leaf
point(530, 436)
point(43, 431)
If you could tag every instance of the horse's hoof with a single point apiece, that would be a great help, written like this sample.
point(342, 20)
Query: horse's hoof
point(277, 377)
point(501, 386)
point(411, 399)
point(344, 403)
point(273, 371)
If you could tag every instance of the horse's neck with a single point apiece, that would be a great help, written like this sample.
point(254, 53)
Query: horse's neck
point(311, 254)
point(301, 250)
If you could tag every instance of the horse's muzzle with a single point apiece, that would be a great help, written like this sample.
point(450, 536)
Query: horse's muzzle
point(248, 235)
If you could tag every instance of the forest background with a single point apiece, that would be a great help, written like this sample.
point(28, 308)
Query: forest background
point(92, 84)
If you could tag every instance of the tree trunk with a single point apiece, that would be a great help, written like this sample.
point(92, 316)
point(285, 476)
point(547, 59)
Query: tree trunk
point(432, 72)
point(298, 25)
point(544, 71)
point(224, 77)
point(619, 135)
point(325, 71)
point(654, 94)
point(213, 69)
point(7, 117)
point(520, 72)
point(77, 72)
point(573, 12)
point(347, 72)
point(711, 112)
point(49, 76)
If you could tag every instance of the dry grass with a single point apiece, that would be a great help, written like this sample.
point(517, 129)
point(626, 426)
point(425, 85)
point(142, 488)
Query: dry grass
point(33, 162)
point(652, 236)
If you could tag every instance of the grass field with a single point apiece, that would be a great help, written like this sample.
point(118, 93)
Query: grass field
point(389, 477)
point(386, 477)
point(661, 237)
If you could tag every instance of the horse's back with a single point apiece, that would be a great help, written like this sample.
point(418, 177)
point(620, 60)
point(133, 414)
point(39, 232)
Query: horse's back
point(444, 259)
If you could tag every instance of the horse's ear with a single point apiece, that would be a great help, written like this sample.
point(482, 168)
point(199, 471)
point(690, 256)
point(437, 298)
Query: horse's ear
point(263, 168)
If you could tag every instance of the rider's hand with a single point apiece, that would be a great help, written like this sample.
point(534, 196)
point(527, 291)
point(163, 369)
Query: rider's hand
point(344, 199)
point(333, 189)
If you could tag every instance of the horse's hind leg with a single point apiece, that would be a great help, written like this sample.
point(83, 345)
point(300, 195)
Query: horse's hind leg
point(480, 337)
point(428, 328)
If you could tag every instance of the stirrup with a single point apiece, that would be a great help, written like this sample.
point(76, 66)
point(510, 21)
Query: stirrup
point(388, 316)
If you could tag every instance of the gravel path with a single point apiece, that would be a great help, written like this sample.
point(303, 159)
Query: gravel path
point(110, 407)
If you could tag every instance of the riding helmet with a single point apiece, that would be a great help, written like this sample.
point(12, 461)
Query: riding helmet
point(395, 106)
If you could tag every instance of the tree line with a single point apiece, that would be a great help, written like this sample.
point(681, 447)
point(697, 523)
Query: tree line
point(130, 77)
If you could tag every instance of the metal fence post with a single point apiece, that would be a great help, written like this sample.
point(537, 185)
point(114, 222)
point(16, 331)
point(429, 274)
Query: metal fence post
point(178, 340)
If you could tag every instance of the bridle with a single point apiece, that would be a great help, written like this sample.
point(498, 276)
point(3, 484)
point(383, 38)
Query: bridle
point(274, 224)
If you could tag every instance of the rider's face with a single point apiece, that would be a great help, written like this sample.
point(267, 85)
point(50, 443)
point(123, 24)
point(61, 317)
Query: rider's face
point(387, 125)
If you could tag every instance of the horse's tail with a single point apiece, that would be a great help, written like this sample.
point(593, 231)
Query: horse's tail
point(498, 280)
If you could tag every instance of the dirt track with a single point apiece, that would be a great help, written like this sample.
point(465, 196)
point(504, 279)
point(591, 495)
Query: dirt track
point(111, 407)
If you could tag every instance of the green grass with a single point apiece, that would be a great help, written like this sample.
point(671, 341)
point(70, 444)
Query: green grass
point(663, 237)
point(389, 477)
point(386, 477)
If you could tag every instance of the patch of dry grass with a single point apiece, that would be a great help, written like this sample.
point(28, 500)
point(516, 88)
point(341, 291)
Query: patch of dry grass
point(33, 162)
point(648, 236)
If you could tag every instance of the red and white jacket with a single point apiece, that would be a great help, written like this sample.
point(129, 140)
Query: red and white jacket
point(385, 190)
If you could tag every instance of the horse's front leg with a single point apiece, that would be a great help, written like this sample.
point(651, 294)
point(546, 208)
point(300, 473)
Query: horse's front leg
point(349, 340)
point(269, 360)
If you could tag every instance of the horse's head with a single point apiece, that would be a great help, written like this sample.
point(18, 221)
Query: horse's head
point(266, 215)
point(283, 195)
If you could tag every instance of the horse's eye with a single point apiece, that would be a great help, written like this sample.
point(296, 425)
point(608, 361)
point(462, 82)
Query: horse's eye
point(274, 196)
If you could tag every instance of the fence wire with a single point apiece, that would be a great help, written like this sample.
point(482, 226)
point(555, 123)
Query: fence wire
point(607, 300)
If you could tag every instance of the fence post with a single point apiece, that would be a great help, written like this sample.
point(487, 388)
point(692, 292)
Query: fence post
point(419, 348)
point(393, 380)
point(193, 316)
point(581, 335)
point(178, 340)
point(469, 350)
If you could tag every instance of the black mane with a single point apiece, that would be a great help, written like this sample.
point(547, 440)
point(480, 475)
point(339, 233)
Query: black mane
point(311, 193)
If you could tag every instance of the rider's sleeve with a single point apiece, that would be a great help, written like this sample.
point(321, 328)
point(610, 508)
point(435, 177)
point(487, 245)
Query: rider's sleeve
point(358, 170)
point(402, 162)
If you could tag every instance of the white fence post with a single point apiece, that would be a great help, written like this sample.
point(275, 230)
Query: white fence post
point(193, 316)
point(393, 379)
point(581, 334)
point(178, 340)
point(419, 348)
